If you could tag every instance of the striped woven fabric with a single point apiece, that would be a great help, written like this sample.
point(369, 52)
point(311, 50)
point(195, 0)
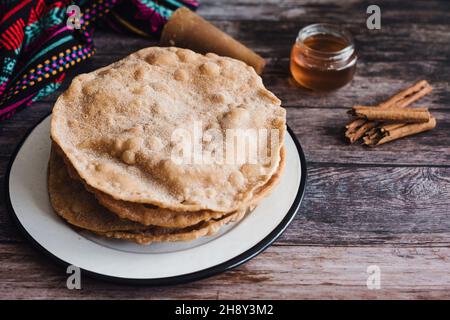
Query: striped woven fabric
point(41, 41)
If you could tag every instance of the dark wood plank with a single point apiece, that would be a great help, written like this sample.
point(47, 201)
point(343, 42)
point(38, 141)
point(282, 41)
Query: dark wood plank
point(429, 12)
point(289, 272)
point(374, 205)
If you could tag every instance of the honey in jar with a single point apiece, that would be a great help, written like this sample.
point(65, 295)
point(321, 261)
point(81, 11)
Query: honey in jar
point(323, 57)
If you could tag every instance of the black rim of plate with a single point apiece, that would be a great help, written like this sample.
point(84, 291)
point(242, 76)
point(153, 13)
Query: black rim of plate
point(183, 278)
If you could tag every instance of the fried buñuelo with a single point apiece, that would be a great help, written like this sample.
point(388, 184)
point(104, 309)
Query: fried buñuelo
point(116, 127)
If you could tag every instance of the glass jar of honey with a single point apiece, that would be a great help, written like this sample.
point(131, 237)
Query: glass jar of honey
point(323, 57)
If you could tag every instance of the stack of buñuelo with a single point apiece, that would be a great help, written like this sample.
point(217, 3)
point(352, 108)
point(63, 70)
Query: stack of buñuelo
point(164, 145)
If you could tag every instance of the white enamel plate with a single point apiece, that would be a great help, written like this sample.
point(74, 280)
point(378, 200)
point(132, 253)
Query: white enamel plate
point(159, 263)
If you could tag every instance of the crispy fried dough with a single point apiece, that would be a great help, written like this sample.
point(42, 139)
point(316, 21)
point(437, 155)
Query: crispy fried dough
point(152, 215)
point(116, 125)
point(201, 229)
point(163, 217)
point(71, 201)
point(80, 208)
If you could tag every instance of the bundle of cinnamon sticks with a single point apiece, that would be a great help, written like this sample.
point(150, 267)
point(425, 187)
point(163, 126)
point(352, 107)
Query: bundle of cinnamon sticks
point(392, 119)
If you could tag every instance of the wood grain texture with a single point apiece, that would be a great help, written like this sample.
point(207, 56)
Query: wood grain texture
point(281, 272)
point(428, 12)
point(388, 206)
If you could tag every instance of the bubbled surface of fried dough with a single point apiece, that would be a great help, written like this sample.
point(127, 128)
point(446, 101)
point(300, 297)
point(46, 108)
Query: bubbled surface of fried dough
point(153, 215)
point(115, 126)
point(79, 208)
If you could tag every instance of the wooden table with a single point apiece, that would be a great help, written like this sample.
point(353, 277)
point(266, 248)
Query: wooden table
point(387, 206)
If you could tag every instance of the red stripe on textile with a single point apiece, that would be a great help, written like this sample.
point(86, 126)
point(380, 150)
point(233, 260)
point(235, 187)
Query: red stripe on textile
point(17, 29)
point(14, 10)
point(10, 37)
point(13, 36)
point(5, 42)
point(36, 12)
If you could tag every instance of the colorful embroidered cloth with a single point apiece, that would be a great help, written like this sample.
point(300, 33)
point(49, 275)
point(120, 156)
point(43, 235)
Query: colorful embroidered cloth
point(38, 46)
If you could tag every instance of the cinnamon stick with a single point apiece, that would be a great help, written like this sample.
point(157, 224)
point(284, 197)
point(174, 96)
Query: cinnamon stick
point(354, 124)
point(399, 132)
point(408, 95)
point(372, 135)
point(357, 128)
point(377, 133)
point(409, 115)
point(391, 126)
point(362, 130)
